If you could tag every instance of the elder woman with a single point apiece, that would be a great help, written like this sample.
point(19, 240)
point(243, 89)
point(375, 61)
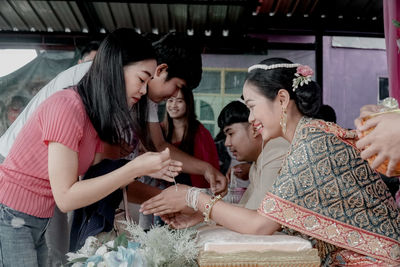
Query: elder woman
point(324, 190)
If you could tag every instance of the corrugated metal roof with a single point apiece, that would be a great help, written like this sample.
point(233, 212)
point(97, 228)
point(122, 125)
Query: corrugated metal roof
point(198, 17)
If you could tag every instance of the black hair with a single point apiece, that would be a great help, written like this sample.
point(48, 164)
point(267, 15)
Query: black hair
point(307, 97)
point(192, 124)
point(183, 57)
point(18, 101)
point(103, 91)
point(91, 46)
point(234, 112)
point(326, 113)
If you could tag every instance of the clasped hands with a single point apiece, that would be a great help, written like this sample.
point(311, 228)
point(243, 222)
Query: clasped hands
point(383, 141)
point(158, 165)
point(170, 204)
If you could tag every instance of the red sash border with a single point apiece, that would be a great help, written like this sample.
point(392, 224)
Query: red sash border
point(329, 230)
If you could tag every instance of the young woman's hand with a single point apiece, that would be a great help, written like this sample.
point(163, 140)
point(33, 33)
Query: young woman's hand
point(170, 200)
point(218, 182)
point(158, 165)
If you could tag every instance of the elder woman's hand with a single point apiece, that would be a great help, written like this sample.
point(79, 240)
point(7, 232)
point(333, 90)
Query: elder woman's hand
point(170, 200)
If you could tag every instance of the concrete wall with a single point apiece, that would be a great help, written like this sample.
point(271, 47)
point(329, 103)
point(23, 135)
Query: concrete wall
point(351, 79)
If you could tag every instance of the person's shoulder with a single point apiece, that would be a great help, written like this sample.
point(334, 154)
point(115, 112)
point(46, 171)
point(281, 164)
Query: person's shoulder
point(321, 127)
point(68, 93)
point(73, 73)
point(82, 67)
point(201, 129)
point(275, 148)
point(69, 98)
point(278, 142)
point(202, 133)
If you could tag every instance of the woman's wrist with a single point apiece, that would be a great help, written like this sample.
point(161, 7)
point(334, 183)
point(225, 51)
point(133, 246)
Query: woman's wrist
point(207, 168)
point(203, 199)
point(192, 197)
point(209, 206)
point(133, 169)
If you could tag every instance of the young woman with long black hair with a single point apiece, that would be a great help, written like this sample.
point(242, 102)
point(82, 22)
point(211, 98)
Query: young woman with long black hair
point(64, 137)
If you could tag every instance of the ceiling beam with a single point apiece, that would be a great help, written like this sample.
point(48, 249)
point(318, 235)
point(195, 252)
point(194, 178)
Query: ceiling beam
point(45, 40)
point(188, 2)
point(89, 15)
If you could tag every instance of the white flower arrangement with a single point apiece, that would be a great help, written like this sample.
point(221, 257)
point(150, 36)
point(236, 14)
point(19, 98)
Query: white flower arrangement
point(159, 247)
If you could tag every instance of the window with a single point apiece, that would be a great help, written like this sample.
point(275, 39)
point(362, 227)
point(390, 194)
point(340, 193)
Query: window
point(383, 87)
point(217, 88)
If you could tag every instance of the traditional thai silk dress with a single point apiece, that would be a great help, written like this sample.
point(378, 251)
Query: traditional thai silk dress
point(325, 191)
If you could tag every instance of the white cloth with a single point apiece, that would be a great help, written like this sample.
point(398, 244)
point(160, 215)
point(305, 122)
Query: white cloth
point(222, 240)
point(63, 80)
point(152, 108)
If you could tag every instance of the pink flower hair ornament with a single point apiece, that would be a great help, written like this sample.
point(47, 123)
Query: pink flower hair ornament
point(303, 76)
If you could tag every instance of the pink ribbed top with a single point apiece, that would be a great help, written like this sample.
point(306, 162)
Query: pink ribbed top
point(24, 177)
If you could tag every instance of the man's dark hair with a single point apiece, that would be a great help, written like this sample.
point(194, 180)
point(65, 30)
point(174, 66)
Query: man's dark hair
point(91, 46)
point(183, 57)
point(234, 112)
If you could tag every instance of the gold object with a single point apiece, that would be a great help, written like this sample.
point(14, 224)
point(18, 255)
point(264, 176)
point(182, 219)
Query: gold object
point(386, 103)
point(208, 208)
point(283, 120)
point(389, 103)
point(307, 257)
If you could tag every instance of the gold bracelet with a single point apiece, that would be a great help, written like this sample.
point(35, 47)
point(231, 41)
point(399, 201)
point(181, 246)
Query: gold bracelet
point(208, 207)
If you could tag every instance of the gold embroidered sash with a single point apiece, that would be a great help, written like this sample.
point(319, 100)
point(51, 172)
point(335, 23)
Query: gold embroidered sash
point(325, 190)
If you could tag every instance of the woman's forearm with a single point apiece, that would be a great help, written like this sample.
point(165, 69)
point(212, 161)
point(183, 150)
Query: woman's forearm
point(86, 192)
point(238, 219)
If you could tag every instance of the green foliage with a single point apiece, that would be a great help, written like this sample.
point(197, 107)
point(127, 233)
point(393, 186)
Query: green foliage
point(121, 240)
point(82, 259)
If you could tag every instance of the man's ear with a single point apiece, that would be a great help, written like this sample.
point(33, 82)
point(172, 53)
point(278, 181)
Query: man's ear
point(160, 68)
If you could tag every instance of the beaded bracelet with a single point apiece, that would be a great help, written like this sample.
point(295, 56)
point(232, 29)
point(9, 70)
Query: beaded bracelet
point(208, 207)
point(192, 197)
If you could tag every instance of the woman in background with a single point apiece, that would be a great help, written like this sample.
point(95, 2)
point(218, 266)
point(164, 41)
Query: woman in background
point(182, 129)
point(324, 192)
